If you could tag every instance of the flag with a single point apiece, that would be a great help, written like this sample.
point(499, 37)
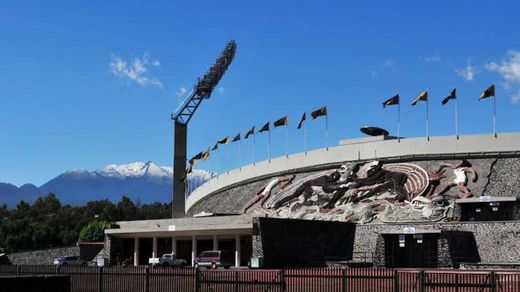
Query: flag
point(264, 128)
point(237, 138)
point(205, 155)
point(453, 95)
point(422, 97)
point(215, 147)
point(490, 91)
point(319, 112)
point(224, 141)
point(300, 123)
point(250, 132)
point(391, 101)
point(283, 121)
point(195, 158)
point(186, 172)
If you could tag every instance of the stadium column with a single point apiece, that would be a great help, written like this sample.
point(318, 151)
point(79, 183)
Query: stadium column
point(179, 167)
point(215, 242)
point(193, 249)
point(136, 251)
point(237, 250)
point(174, 245)
point(154, 247)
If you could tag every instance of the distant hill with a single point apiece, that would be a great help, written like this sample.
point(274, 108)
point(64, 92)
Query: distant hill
point(144, 181)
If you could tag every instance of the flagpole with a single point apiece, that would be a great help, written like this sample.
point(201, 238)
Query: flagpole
point(209, 164)
point(269, 147)
point(286, 141)
point(327, 131)
point(240, 154)
point(254, 145)
point(398, 121)
point(427, 121)
point(495, 115)
point(457, 117)
point(305, 138)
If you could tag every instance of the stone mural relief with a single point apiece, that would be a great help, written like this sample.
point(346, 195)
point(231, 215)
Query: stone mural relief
point(372, 192)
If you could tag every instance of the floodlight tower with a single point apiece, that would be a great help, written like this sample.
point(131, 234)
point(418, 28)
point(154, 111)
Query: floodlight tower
point(182, 116)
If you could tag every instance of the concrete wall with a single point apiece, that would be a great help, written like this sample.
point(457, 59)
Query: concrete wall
point(444, 147)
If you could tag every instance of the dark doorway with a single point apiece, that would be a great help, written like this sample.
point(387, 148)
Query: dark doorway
point(145, 250)
point(204, 245)
point(246, 247)
point(184, 250)
point(411, 250)
point(164, 245)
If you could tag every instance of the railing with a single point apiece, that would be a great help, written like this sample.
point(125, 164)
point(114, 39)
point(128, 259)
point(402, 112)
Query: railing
point(145, 279)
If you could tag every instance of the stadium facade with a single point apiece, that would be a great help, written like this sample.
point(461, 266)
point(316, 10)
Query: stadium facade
point(413, 202)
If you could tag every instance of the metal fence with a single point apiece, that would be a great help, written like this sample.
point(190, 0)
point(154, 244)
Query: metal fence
point(145, 279)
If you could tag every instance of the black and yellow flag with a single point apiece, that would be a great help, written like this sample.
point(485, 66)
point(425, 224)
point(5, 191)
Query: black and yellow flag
point(490, 91)
point(205, 155)
point(224, 141)
point(250, 132)
point(300, 123)
point(237, 138)
point(215, 147)
point(264, 128)
point(453, 95)
point(194, 159)
point(391, 101)
point(185, 175)
point(283, 121)
point(422, 97)
point(319, 112)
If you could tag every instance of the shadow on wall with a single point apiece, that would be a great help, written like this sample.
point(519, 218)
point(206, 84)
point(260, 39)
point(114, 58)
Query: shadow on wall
point(300, 243)
point(462, 247)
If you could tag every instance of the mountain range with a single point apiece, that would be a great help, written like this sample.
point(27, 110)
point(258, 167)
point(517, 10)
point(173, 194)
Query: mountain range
point(143, 181)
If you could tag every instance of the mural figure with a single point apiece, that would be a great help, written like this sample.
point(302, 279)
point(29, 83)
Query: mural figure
point(264, 193)
point(460, 171)
point(307, 185)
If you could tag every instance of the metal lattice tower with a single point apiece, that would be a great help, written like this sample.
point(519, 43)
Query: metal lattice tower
point(184, 113)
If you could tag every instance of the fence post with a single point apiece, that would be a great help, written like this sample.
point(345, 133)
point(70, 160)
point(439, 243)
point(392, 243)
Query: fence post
point(493, 281)
point(197, 280)
point(147, 279)
point(100, 279)
point(343, 280)
point(396, 281)
point(421, 281)
point(18, 270)
point(457, 282)
point(57, 269)
point(282, 279)
point(236, 281)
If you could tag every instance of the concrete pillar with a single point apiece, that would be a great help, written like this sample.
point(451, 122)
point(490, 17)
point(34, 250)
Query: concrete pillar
point(154, 248)
point(136, 251)
point(237, 250)
point(174, 245)
point(179, 167)
point(193, 249)
point(215, 242)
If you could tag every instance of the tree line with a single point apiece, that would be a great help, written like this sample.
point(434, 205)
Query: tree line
point(47, 223)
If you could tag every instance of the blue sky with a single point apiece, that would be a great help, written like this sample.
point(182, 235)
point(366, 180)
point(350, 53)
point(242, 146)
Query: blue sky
point(89, 83)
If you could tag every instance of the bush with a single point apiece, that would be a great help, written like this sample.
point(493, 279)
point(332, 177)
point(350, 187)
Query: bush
point(94, 231)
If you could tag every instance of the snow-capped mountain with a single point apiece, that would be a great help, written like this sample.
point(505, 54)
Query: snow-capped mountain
point(143, 181)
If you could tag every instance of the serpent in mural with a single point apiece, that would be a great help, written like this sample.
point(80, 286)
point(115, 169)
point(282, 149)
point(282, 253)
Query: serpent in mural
point(363, 193)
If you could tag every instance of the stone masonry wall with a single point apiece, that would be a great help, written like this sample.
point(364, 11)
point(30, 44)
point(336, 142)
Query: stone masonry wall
point(43, 256)
point(495, 241)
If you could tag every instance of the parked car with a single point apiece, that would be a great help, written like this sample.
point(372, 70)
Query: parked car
point(167, 260)
point(69, 260)
point(214, 259)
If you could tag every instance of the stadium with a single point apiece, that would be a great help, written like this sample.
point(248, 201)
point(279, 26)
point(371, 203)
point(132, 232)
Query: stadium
point(381, 200)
